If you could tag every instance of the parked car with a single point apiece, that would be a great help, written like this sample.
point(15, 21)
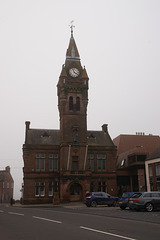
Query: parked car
point(124, 200)
point(146, 200)
point(93, 199)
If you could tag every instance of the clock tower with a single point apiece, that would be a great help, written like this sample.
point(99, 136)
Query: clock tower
point(72, 104)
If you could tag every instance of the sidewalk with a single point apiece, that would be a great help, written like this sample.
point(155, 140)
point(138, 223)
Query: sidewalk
point(64, 205)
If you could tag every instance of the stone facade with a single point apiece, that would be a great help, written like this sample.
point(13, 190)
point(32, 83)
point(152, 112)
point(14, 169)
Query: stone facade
point(62, 165)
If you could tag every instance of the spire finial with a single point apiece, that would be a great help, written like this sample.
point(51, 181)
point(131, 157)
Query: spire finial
point(71, 27)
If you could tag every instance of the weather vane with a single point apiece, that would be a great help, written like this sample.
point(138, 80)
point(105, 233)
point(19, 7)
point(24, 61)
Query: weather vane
point(71, 26)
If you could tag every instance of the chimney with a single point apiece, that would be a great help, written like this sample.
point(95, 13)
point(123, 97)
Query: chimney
point(105, 128)
point(27, 128)
point(7, 169)
point(27, 125)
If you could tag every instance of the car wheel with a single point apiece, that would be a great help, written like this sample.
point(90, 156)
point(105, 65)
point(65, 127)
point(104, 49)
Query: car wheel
point(93, 203)
point(123, 208)
point(149, 207)
point(114, 204)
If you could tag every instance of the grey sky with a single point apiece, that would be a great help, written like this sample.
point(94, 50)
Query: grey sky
point(119, 44)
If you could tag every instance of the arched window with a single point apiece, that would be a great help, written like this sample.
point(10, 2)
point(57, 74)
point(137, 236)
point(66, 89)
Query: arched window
point(70, 103)
point(77, 103)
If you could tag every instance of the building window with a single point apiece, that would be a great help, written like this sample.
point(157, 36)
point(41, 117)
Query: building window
point(53, 162)
point(101, 162)
point(70, 103)
point(91, 161)
point(56, 184)
point(75, 189)
point(104, 186)
point(92, 187)
point(150, 170)
point(40, 189)
point(77, 103)
point(40, 162)
point(75, 163)
point(157, 167)
point(50, 188)
point(101, 186)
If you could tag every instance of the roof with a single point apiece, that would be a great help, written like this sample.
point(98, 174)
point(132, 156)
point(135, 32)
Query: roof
point(128, 145)
point(99, 138)
point(125, 143)
point(43, 137)
point(52, 137)
point(155, 154)
point(3, 174)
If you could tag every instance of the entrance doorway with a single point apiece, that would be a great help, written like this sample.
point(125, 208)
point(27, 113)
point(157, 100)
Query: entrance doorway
point(75, 192)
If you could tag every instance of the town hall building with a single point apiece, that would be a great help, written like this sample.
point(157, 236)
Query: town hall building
point(61, 165)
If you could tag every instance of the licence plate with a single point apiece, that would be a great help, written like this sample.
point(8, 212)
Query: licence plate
point(120, 202)
point(130, 201)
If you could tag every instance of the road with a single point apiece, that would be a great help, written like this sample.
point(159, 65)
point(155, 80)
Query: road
point(77, 222)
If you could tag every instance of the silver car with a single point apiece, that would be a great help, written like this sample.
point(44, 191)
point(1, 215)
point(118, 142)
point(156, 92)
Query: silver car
point(145, 200)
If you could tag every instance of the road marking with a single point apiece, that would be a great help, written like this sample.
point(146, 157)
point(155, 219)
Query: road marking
point(14, 213)
point(1, 211)
point(46, 219)
point(107, 233)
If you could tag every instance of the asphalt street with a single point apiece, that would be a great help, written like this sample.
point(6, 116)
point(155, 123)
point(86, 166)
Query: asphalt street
point(77, 222)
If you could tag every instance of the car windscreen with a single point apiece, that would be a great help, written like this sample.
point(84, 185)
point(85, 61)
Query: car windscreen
point(136, 195)
point(125, 195)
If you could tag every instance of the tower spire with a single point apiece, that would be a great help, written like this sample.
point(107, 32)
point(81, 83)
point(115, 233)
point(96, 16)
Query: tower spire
point(71, 27)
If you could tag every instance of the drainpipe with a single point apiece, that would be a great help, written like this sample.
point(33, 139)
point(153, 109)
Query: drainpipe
point(85, 159)
point(69, 152)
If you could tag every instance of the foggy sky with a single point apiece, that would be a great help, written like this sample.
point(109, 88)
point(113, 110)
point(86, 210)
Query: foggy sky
point(119, 44)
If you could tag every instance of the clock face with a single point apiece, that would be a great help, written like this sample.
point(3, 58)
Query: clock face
point(74, 72)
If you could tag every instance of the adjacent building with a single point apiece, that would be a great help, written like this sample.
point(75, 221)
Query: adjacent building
point(132, 153)
point(61, 165)
point(6, 185)
point(152, 167)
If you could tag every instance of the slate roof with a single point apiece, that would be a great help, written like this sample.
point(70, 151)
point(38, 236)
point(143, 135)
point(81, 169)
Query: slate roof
point(100, 138)
point(52, 137)
point(2, 176)
point(43, 137)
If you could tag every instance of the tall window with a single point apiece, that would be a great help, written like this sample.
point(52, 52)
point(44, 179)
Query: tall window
point(77, 103)
point(150, 170)
point(40, 189)
point(53, 162)
point(91, 161)
point(56, 184)
point(40, 162)
point(101, 162)
point(101, 186)
point(70, 103)
point(157, 166)
point(75, 163)
point(92, 187)
point(50, 188)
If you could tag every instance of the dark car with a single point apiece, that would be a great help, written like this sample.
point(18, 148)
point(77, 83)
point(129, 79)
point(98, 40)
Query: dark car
point(146, 200)
point(124, 200)
point(93, 199)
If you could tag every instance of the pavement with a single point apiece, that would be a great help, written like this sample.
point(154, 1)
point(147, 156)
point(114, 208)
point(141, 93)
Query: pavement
point(64, 205)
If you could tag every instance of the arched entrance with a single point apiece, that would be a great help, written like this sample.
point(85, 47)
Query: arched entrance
point(75, 192)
